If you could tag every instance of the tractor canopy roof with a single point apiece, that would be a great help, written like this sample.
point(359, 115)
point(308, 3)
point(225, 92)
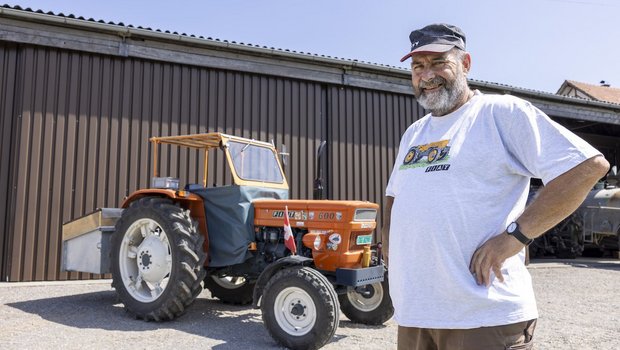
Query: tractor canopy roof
point(208, 140)
point(252, 163)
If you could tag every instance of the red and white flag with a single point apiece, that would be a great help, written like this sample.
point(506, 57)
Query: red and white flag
point(289, 239)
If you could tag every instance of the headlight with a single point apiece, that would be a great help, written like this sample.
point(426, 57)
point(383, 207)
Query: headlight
point(165, 182)
point(317, 242)
point(365, 214)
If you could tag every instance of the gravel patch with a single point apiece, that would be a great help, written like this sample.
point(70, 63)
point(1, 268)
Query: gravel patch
point(578, 301)
point(579, 305)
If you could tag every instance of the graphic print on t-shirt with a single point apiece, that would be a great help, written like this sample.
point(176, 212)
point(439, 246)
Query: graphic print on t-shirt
point(434, 155)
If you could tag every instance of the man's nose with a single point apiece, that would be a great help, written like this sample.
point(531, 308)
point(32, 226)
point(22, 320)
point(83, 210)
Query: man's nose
point(427, 74)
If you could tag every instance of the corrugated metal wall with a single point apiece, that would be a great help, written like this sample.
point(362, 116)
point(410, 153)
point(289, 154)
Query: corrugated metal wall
point(365, 127)
point(79, 125)
point(8, 57)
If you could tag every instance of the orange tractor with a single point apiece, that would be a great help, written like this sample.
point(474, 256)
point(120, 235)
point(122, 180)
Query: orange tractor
point(167, 242)
point(433, 152)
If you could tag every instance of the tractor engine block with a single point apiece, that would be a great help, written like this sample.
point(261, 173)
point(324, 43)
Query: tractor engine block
point(270, 242)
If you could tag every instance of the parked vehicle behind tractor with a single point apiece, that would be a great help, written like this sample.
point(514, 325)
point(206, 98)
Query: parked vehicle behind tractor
point(593, 229)
point(166, 242)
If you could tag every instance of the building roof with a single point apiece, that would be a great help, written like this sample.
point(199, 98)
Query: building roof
point(603, 92)
point(71, 19)
point(105, 37)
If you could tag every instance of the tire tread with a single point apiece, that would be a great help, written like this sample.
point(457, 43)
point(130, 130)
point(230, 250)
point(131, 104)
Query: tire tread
point(187, 242)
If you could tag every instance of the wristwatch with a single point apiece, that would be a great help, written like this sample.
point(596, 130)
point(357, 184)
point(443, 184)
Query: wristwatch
point(513, 230)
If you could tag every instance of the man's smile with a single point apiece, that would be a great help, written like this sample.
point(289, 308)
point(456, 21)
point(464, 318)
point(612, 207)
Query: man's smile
point(432, 88)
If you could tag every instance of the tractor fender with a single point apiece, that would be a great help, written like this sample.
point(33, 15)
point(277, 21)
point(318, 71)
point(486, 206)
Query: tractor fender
point(187, 200)
point(265, 276)
point(174, 195)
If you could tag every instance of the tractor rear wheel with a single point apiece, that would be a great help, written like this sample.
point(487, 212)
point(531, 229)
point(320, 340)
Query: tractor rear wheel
point(432, 155)
point(300, 308)
point(157, 259)
point(370, 304)
point(230, 289)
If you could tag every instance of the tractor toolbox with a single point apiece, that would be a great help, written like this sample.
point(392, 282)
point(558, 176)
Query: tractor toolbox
point(86, 241)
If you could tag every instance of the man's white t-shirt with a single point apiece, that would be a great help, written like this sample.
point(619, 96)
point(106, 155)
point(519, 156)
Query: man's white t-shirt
point(459, 180)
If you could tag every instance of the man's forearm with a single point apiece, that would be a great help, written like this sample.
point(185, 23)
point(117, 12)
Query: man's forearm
point(554, 202)
point(560, 197)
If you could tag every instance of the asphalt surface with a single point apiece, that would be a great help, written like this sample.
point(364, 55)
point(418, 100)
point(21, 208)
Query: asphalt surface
point(578, 300)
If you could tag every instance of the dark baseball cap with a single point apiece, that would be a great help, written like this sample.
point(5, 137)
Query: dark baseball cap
point(438, 37)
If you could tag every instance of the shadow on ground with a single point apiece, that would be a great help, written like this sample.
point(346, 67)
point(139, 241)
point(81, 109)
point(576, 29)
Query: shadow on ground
point(580, 262)
point(595, 265)
point(103, 310)
point(239, 327)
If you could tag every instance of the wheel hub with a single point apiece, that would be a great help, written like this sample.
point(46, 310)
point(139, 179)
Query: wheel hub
point(295, 311)
point(366, 298)
point(152, 259)
point(298, 309)
point(366, 291)
point(146, 259)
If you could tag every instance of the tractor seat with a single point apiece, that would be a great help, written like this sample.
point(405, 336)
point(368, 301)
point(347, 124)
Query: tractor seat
point(193, 187)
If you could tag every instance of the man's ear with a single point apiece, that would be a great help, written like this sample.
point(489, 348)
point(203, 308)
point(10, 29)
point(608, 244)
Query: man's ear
point(466, 62)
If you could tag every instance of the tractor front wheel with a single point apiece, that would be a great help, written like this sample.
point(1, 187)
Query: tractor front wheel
point(300, 308)
point(230, 289)
point(157, 259)
point(370, 304)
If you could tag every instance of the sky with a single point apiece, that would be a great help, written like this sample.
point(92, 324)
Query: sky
point(531, 44)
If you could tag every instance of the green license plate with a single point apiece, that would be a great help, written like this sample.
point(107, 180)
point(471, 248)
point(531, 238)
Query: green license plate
point(366, 239)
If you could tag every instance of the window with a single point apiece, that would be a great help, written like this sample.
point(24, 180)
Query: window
point(255, 163)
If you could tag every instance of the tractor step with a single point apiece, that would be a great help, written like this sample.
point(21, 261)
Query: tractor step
point(360, 277)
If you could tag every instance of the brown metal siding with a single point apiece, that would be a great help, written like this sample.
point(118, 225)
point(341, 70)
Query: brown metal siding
point(8, 59)
point(365, 128)
point(85, 122)
point(74, 125)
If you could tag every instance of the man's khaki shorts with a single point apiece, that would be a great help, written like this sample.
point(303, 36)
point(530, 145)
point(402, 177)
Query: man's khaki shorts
point(508, 337)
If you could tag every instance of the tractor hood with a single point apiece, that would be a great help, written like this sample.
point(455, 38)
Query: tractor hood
point(316, 214)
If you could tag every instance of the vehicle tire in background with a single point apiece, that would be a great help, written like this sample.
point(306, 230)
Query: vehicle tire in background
point(370, 304)
point(230, 289)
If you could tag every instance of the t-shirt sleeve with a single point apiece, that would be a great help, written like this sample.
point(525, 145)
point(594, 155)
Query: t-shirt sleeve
point(540, 147)
point(392, 186)
point(390, 189)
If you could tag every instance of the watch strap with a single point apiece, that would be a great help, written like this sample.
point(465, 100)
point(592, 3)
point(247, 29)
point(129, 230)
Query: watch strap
point(516, 233)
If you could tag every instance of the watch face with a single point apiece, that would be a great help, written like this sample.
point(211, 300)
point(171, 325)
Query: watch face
point(512, 227)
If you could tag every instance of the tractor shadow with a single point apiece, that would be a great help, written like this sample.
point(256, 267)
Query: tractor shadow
point(238, 327)
point(346, 323)
point(206, 317)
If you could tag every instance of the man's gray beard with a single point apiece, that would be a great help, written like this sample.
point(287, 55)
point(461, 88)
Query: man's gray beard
point(444, 100)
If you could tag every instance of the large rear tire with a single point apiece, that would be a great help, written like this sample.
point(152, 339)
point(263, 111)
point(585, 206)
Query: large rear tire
point(370, 304)
point(157, 259)
point(300, 308)
point(230, 290)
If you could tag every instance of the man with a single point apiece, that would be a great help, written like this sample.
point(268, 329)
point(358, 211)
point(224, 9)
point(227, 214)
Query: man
point(455, 228)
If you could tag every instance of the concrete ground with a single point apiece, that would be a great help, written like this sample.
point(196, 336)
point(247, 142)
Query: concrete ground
point(579, 303)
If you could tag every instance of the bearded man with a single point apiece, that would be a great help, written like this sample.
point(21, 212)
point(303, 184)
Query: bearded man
point(455, 223)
